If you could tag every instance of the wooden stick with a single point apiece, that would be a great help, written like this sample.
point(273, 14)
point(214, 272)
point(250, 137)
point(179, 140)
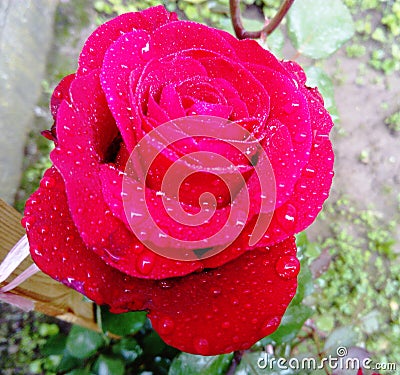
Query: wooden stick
point(40, 291)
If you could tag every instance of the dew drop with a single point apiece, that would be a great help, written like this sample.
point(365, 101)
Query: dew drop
point(145, 263)
point(44, 229)
point(215, 292)
point(300, 137)
point(37, 252)
point(166, 326)
point(47, 182)
point(287, 217)
point(288, 267)
point(57, 94)
point(164, 284)
point(201, 346)
point(309, 172)
point(270, 325)
point(137, 248)
point(27, 222)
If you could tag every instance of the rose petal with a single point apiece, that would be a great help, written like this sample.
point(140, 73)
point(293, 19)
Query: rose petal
point(97, 44)
point(124, 56)
point(176, 37)
point(60, 93)
point(310, 191)
point(223, 310)
point(84, 131)
point(246, 305)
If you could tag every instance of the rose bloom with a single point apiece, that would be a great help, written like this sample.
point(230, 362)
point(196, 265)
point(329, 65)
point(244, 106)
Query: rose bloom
point(135, 73)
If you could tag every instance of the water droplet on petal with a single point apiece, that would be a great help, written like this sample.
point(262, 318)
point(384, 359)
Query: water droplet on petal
point(28, 221)
point(300, 137)
point(145, 263)
point(47, 182)
point(288, 267)
point(287, 217)
point(166, 326)
point(270, 325)
point(215, 292)
point(44, 229)
point(138, 248)
point(309, 172)
point(201, 346)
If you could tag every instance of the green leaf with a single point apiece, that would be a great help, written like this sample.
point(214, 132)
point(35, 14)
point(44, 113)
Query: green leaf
point(109, 366)
point(342, 336)
point(316, 77)
point(153, 344)
point(83, 343)
point(305, 284)
point(291, 323)
point(68, 362)
point(190, 364)
point(317, 28)
point(128, 348)
point(78, 372)
point(54, 345)
point(325, 323)
point(251, 24)
point(122, 324)
point(274, 43)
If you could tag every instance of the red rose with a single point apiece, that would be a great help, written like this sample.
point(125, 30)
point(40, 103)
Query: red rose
point(136, 73)
point(360, 372)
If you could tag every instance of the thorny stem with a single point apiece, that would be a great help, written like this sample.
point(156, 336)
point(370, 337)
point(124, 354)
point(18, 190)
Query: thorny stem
point(240, 31)
point(237, 357)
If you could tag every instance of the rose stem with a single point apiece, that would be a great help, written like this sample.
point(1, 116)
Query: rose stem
point(237, 357)
point(240, 31)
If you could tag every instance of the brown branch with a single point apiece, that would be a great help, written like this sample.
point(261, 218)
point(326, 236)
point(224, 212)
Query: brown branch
point(242, 33)
point(237, 357)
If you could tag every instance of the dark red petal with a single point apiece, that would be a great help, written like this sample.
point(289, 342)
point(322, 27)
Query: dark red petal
point(251, 90)
point(297, 71)
point(58, 250)
point(97, 44)
point(250, 51)
point(125, 55)
point(171, 102)
point(289, 129)
point(60, 93)
point(310, 192)
point(178, 36)
point(228, 308)
point(211, 312)
point(85, 128)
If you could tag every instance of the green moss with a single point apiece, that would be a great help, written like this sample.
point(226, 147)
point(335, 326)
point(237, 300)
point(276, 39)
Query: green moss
point(393, 122)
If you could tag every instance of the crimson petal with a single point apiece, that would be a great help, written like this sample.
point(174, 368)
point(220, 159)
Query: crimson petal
point(246, 305)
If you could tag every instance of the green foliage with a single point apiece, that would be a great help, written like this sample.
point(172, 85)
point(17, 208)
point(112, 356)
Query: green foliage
point(122, 324)
point(393, 122)
point(83, 343)
point(317, 28)
point(316, 77)
point(189, 364)
point(362, 279)
point(384, 50)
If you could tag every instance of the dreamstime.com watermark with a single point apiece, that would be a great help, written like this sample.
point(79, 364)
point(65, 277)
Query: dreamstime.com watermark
point(339, 362)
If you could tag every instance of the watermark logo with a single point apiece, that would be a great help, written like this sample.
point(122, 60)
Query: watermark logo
point(208, 161)
point(342, 361)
